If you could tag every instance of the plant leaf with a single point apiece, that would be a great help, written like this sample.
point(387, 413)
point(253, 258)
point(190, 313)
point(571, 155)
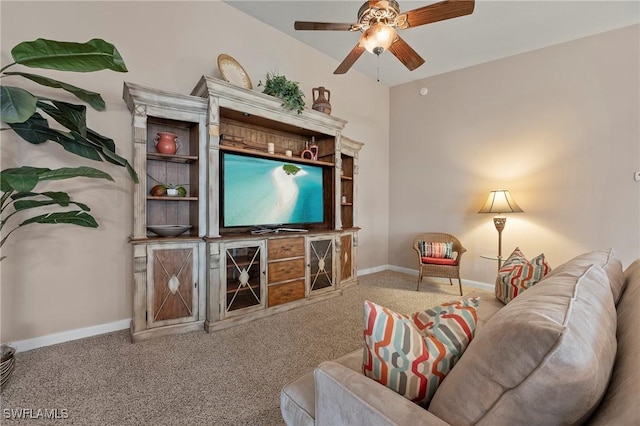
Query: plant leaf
point(17, 105)
point(60, 198)
point(73, 172)
point(71, 116)
point(80, 146)
point(92, 98)
point(108, 148)
point(35, 130)
point(24, 179)
point(57, 197)
point(21, 182)
point(94, 55)
point(101, 140)
point(75, 217)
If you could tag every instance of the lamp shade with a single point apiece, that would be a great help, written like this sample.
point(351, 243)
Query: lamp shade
point(378, 37)
point(500, 201)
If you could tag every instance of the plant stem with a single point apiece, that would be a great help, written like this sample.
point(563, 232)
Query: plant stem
point(7, 236)
point(3, 200)
point(7, 66)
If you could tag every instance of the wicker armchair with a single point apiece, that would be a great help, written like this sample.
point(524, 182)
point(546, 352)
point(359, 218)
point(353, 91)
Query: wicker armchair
point(439, 268)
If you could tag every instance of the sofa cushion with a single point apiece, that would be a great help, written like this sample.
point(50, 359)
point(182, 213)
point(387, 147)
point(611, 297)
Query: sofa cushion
point(607, 259)
point(412, 354)
point(621, 403)
point(518, 274)
point(545, 358)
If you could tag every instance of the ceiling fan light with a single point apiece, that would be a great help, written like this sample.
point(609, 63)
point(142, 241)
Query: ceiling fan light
point(377, 38)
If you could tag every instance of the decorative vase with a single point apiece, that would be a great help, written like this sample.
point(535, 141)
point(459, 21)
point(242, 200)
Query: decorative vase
point(166, 143)
point(320, 102)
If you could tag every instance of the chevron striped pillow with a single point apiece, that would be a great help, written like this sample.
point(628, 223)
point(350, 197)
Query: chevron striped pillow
point(412, 354)
point(518, 274)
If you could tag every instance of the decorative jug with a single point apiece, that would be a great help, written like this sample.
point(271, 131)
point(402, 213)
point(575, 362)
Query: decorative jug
point(166, 143)
point(320, 103)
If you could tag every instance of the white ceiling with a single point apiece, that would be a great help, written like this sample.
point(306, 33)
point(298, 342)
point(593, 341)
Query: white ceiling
point(496, 29)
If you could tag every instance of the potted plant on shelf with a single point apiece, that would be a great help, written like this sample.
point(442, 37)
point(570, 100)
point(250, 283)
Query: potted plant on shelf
point(23, 112)
point(170, 189)
point(287, 90)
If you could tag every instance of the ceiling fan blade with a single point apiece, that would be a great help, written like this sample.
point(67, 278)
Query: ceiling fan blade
point(351, 58)
point(439, 12)
point(406, 54)
point(322, 26)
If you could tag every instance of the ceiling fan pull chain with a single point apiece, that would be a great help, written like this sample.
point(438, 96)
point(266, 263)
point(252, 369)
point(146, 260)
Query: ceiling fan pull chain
point(378, 78)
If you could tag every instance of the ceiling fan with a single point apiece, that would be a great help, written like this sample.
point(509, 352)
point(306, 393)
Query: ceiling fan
point(378, 21)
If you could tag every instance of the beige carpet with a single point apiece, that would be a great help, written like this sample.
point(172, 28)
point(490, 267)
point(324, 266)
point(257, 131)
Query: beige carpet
point(230, 377)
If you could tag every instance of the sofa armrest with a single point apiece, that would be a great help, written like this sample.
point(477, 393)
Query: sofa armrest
point(346, 397)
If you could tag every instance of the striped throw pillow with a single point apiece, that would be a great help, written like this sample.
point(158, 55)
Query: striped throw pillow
point(412, 354)
point(518, 274)
point(437, 250)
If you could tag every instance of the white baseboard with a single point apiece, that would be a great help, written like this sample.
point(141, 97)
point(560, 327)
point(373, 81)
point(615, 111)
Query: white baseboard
point(373, 270)
point(80, 333)
point(67, 336)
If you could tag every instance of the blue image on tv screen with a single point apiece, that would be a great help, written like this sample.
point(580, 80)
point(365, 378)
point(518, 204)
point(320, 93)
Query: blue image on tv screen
point(260, 191)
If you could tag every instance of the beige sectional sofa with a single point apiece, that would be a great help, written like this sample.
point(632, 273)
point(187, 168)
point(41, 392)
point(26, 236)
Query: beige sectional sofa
point(566, 351)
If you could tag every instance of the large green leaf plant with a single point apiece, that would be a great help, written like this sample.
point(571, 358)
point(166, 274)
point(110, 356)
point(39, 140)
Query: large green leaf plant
point(29, 115)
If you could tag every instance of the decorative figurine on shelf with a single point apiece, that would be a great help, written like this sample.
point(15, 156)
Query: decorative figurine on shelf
point(320, 103)
point(310, 152)
point(166, 143)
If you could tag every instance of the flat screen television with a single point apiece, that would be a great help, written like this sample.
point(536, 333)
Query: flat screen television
point(264, 192)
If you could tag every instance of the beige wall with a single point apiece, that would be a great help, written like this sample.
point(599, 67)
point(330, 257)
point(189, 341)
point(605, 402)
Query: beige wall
point(558, 127)
point(64, 278)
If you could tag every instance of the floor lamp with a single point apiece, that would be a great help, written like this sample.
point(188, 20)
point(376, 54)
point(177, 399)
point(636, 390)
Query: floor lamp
point(500, 202)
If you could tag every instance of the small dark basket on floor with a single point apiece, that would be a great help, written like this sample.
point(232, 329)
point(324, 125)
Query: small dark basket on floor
point(7, 363)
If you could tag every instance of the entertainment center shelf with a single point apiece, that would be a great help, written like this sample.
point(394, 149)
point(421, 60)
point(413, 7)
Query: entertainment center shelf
point(275, 156)
point(218, 274)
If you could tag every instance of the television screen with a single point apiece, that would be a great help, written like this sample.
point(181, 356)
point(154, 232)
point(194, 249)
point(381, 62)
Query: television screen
point(261, 191)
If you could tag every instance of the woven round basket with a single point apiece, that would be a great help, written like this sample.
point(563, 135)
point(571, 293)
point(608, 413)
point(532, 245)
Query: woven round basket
point(7, 363)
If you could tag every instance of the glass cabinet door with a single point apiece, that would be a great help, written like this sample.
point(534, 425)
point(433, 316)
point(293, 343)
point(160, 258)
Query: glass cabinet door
point(321, 274)
point(243, 276)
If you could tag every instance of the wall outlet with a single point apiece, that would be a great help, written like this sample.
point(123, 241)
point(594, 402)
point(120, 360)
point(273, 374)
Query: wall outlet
point(636, 176)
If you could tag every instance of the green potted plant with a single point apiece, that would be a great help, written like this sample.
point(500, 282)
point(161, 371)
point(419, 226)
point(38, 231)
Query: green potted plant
point(26, 114)
point(287, 90)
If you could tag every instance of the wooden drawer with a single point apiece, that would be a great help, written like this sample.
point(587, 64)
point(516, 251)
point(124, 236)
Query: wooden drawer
point(286, 270)
point(284, 293)
point(284, 248)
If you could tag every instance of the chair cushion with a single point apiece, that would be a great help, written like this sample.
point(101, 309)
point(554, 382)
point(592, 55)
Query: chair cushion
point(545, 358)
point(436, 249)
point(438, 261)
point(412, 354)
point(518, 274)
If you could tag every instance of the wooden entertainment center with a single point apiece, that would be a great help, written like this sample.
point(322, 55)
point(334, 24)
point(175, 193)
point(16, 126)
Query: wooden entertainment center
point(214, 277)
